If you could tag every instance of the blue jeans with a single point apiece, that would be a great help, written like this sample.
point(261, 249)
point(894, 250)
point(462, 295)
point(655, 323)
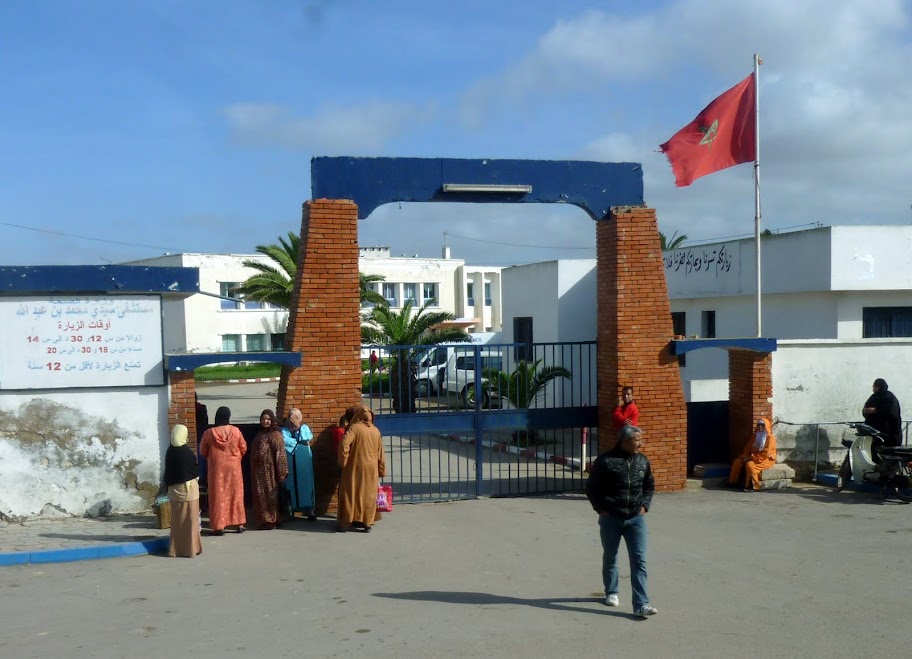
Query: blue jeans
point(611, 530)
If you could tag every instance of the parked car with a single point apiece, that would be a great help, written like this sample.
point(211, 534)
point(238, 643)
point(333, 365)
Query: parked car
point(450, 370)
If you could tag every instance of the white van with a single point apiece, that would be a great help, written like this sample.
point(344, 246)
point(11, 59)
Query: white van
point(450, 369)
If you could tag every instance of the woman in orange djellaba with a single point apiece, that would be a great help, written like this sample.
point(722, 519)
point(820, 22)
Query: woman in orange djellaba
point(363, 465)
point(759, 454)
point(223, 446)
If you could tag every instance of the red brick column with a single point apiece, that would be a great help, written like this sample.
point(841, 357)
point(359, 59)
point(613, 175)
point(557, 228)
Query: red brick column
point(183, 404)
point(324, 325)
point(750, 395)
point(634, 334)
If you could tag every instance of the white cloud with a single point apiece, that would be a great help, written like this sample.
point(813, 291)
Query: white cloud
point(362, 130)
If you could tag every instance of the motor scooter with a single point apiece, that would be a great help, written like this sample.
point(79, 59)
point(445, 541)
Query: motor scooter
point(869, 461)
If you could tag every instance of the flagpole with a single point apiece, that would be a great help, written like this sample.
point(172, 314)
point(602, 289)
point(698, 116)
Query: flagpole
point(757, 63)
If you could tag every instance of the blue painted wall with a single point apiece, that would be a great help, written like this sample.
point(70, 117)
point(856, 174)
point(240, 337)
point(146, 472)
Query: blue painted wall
point(92, 279)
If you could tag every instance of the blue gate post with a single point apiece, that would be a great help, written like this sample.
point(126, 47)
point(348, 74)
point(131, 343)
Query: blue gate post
point(479, 434)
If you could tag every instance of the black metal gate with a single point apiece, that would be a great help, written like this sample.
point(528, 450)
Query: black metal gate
point(468, 425)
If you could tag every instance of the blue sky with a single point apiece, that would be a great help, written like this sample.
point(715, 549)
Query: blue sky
point(189, 126)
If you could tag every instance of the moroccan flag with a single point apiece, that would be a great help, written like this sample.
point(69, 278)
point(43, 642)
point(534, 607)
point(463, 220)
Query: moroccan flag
point(721, 136)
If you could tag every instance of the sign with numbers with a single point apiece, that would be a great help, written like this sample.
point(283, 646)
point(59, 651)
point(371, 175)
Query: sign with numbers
point(74, 341)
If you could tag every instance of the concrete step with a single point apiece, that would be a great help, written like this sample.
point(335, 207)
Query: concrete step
point(711, 470)
point(779, 472)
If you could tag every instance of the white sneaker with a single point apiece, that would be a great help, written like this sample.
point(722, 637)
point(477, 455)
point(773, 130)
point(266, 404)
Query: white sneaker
point(612, 600)
point(645, 611)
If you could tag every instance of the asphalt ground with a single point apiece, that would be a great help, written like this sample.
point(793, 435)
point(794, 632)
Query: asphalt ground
point(803, 573)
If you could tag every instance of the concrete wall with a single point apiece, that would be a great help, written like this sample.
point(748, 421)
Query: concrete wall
point(577, 311)
point(532, 290)
point(871, 258)
point(82, 452)
point(822, 382)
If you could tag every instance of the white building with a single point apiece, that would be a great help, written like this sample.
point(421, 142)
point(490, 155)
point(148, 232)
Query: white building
point(208, 322)
point(837, 299)
point(471, 293)
point(846, 283)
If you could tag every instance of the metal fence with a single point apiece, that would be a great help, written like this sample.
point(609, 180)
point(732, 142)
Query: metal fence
point(454, 428)
point(822, 445)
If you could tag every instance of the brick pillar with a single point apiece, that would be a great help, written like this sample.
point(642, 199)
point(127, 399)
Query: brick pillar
point(750, 395)
point(324, 325)
point(183, 404)
point(634, 334)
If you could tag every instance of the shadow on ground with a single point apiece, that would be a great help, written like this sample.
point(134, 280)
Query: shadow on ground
point(482, 599)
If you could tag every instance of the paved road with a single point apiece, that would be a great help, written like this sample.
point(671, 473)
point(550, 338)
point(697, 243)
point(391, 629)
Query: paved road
point(802, 573)
point(246, 401)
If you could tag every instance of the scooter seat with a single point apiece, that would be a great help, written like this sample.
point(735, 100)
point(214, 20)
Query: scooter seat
point(896, 452)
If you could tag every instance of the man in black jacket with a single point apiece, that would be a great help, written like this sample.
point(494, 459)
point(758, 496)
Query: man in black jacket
point(620, 489)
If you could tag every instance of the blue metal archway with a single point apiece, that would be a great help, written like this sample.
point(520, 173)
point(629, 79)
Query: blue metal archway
point(595, 187)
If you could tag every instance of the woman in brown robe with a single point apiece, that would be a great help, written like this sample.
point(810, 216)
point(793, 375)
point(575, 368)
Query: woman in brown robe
point(363, 465)
point(223, 446)
point(182, 480)
point(268, 468)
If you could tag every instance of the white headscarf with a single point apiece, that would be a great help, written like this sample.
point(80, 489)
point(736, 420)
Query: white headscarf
point(179, 436)
point(760, 437)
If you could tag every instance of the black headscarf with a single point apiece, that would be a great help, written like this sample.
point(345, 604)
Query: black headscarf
point(222, 416)
point(886, 417)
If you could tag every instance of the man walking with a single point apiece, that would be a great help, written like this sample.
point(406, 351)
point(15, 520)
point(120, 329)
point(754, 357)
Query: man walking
point(620, 489)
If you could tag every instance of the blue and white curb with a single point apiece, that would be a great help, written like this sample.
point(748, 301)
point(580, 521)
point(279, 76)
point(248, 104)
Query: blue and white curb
point(116, 550)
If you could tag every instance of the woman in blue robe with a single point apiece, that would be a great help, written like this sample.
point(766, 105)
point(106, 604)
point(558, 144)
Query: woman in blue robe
point(300, 481)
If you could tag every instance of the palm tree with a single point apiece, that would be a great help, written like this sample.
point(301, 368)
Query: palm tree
point(386, 327)
point(368, 293)
point(525, 385)
point(671, 243)
point(275, 283)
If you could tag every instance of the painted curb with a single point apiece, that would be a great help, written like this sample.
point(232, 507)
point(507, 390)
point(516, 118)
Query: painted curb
point(251, 380)
point(118, 550)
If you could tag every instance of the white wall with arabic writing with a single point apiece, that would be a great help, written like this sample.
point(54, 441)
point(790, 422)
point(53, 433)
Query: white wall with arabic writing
point(792, 263)
point(81, 451)
point(81, 341)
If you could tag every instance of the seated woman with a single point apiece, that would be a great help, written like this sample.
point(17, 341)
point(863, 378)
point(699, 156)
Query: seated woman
point(759, 454)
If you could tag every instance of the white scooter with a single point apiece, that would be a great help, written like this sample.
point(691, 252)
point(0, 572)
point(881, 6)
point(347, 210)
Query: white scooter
point(869, 461)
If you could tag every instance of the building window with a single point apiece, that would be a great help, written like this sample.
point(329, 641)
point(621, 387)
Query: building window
point(708, 325)
point(277, 341)
point(679, 328)
point(230, 342)
point(430, 294)
point(410, 293)
point(886, 322)
point(487, 287)
point(390, 294)
point(228, 289)
point(256, 342)
point(470, 294)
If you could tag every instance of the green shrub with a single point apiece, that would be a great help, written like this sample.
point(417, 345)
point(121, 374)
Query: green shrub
point(237, 372)
point(375, 383)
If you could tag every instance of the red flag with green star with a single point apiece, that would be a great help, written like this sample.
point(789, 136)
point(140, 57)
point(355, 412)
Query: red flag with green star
point(721, 136)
